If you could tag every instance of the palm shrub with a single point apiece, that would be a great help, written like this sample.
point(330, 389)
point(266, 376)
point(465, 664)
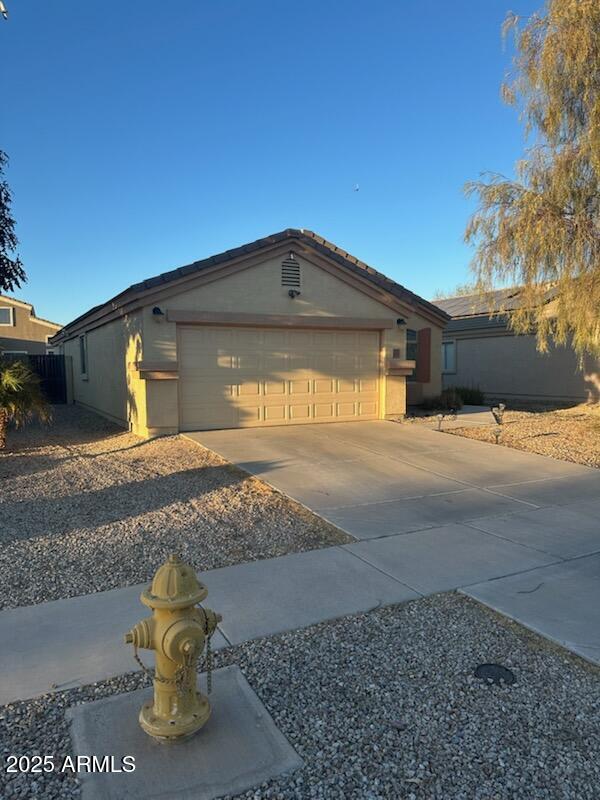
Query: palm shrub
point(21, 398)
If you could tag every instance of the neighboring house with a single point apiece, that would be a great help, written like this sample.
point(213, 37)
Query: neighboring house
point(21, 331)
point(480, 350)
point(289, 329)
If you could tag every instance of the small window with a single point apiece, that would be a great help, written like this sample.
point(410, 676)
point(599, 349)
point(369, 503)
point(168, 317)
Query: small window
point(448, 356)
point(83, 359)
point(411, 351)
point(290, 272)
point(7, 315)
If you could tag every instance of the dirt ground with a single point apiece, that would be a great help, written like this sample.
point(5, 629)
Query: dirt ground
point(87, 507)
point(570, 434)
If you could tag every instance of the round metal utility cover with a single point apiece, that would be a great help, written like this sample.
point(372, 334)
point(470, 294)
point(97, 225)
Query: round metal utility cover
point(495, 673)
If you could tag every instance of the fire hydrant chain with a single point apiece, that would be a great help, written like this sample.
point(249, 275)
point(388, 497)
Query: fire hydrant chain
point(208, 656)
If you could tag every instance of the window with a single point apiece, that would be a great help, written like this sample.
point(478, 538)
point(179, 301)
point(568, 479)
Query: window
point(83, 365)
point(7, 315)
point(448, 356)
point(411, 351)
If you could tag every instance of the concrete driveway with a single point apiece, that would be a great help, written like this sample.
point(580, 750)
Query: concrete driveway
point(439, 512)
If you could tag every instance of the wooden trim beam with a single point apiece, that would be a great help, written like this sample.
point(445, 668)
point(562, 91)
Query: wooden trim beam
point(154, 366)
point(156, 375)
point(276, 320)
point(399, 366)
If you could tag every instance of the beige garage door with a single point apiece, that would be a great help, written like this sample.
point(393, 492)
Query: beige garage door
point(242, 377)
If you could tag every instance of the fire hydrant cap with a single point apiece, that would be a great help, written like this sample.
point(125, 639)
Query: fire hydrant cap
point(175, 585)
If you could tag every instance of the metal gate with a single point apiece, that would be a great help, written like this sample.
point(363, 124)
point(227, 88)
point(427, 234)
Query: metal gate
point(51, 371)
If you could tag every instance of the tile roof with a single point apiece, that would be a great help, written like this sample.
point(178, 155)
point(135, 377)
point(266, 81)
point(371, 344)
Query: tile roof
point(474, 305)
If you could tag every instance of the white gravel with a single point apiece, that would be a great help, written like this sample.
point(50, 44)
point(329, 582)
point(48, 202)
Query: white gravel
point(86, 507)
point(385, 705)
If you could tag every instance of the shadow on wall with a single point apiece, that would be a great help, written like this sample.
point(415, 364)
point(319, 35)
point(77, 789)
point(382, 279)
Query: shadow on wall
point(89, 510)
point(133, 353)
point(593, 391)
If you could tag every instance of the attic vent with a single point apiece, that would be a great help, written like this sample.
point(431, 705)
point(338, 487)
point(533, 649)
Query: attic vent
point(290, 272)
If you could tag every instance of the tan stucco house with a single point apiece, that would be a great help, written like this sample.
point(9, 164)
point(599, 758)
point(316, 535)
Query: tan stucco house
point(289, 329)
point(479, 349)
point(21, 331)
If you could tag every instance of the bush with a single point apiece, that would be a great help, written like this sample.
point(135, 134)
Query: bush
point(447, 400)
point(470, 395)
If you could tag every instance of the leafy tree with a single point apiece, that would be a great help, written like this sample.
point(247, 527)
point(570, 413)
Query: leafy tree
point(11, 269)
point(21, 398)
point(542, 229)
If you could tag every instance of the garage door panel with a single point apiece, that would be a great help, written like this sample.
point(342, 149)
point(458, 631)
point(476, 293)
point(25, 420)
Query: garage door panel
point(274, 387)
point(345, 385)
point(299, 413)
point(367, 408)
point(323, 363)
point(275, 414)
point(323, 410)
point(251, 377)
point(367, 385)
point(323, 386)
point(251, 388)
point(299, 387)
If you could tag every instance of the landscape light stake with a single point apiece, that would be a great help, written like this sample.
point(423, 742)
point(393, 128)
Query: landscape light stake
point(440, 419)
point(178, 631)
point(498, 434)
point(498, 412)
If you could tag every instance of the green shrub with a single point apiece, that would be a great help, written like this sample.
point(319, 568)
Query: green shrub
point(448, 399)
point(470, 395)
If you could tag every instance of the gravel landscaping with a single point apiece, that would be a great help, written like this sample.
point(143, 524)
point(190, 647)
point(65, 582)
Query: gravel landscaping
point(570, 434)
point(385, 705)
point(87, 507)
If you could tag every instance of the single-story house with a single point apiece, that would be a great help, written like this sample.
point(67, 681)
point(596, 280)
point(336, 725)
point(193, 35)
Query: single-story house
point(289, 329)
point(480, 350)
point(21, 331)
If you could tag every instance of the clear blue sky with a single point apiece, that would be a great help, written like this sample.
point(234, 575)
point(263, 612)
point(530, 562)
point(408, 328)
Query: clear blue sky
point(146, 135)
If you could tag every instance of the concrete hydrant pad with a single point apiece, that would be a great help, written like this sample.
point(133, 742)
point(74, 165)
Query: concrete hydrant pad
point(240, 747)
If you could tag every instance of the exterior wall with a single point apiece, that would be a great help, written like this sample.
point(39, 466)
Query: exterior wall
point(509, 366)
point(104, 389)
point(27, 332)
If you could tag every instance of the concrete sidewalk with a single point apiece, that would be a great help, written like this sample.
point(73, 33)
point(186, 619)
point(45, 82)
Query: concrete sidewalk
point(467, 417)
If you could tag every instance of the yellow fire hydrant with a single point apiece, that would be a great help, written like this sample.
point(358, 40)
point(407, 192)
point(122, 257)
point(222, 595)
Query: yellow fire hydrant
point(178, 632)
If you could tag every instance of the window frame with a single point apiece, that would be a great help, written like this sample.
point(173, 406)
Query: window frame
point(11, 311)
point(444, 370)
point(413, 343)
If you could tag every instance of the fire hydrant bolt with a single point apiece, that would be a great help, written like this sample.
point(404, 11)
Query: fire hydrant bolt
point(178, 631)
